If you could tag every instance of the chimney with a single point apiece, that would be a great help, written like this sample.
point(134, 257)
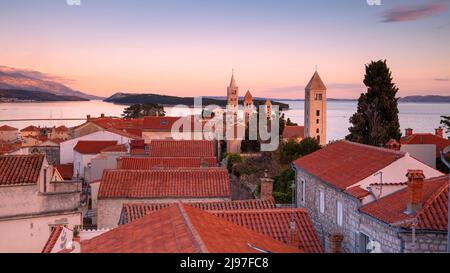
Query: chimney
point(266, 187)
point(119, 163)
point(415, 190)
point(336, 243)
point(439, 132)
point(408, 132)
point(393, 145)
point(88, 117)
point(102, 115)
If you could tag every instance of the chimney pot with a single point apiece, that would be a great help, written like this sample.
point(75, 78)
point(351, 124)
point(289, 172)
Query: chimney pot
point(336, 243)
point(408, 132)
point(439, 132)
point(415, 190)
point(266, 188)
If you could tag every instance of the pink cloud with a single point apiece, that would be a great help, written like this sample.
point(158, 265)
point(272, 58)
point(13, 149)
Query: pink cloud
point(410, 13)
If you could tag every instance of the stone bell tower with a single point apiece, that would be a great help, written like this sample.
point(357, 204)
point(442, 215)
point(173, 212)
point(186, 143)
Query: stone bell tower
point(232, 95)
point(316, 109)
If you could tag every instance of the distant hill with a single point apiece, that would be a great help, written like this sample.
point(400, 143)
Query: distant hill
point(21, 95)
point(424, 99)
point(20, 79)
point(128, 98)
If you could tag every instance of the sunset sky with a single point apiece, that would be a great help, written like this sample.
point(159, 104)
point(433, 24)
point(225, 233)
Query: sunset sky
point(189, 47)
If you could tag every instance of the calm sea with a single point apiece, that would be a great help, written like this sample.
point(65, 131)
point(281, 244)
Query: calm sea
point(422, 117)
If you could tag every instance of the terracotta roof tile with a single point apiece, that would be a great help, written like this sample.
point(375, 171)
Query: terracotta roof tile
point(357, 192)
point(115, 148)
point(182, 148)
point(134, 211)
point(175, 183)
point(293, 132)
point(65, 170)
point(433, 215)
point(147, 163)
point(93, 146)
point(182, 228)
point(20, 169)
point(159, 123)
point(31, 128)
point(441, 143)
point(54, 236)
point(7, 128)
point(61, 128)
point(343, 163)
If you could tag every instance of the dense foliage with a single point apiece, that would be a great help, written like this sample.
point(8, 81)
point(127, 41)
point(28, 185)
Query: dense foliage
point(142, 110)
point(291, 150)
point(376, 120)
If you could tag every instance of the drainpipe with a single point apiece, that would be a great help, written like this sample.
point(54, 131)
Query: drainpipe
point(444, 160)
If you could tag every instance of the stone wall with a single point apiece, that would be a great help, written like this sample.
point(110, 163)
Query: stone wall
point(108, 210)
point(425, 242)
point(326, 223)
point(51, 153)
point(382, 233)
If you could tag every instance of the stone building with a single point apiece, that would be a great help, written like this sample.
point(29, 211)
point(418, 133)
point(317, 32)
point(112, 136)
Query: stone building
point(32, 204)
point(334, 182)
point(422, 206)
point(249, 107)
point(316, 109)
point(233, 95)
point(8, 134)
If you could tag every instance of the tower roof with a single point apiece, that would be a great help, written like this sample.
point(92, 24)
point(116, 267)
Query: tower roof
point(248, 95)
point(233, 81)
point(316, 83)
point(268, 102)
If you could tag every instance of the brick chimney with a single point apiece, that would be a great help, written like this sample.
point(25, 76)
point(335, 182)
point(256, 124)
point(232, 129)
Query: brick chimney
point(266, 187)
point(439, 132)
point(336, 243)
point(415, 190)
point(119, 163)
point(88, 117)
point(408, 132)
point(102, 115)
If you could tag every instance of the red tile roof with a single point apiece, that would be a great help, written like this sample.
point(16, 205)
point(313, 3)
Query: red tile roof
point(54, 236)
point(276, 223)
point(20, 169)
point(61, 128)
point(9, 147)
point(293, 132)
point(168, 183)
point(134, 211)
point(123, 132)
point(115, 148)
point(93, 146)
point(357, 192)
point(65, 170)
point(159, 123)
point(433, 215)
point(182, 148)
point(31, 128)
point(130, 127)
point(343, 163)
point(147, 163)
point(7, 128)
point(441, 143)
point(182, 228)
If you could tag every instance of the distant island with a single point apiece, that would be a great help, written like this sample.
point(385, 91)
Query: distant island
point(14, 95)
point(426, 99)
point(127, 98)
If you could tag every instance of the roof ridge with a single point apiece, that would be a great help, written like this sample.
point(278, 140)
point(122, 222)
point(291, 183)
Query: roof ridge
point(194, 233)
point(271, 210)
point(381, 149)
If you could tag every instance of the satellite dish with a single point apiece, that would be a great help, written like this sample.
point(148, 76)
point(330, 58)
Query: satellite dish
point(374, 247)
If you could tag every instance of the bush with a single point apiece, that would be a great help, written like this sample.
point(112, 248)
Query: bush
point(291, 150)
point(233, 159)
point(282, 198)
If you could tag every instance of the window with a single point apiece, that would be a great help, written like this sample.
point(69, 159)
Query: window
point(317, 130)
point(339, 213)
point(318, 97)
point(322, 202)
point(317, 112)
point(317, 121)
point(303, 193)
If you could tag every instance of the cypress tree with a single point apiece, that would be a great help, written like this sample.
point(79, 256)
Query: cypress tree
point(376, 120)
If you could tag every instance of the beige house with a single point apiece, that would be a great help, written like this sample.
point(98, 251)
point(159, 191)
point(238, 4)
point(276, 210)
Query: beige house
point(32, 204)
point(60, 133)
point(30, 131)
point(8, 133)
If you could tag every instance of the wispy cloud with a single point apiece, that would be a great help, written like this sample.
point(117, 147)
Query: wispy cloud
point(410, 13)
point(12, 72)
point(442, 79)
